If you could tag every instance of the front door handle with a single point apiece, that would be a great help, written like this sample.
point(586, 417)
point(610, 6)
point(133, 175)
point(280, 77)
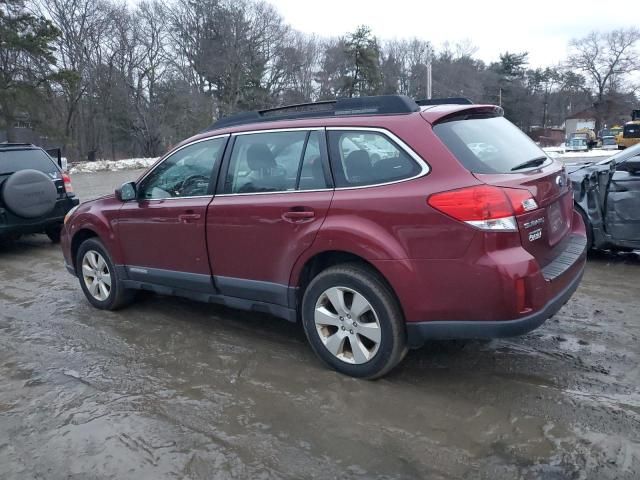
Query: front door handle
point(188, 217)
point(298, 215)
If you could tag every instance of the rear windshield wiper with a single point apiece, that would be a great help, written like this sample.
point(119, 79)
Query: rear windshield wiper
point(534, 162)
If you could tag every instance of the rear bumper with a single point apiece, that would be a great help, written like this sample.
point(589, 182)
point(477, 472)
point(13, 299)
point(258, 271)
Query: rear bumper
point(12, 225)
point(419, 332)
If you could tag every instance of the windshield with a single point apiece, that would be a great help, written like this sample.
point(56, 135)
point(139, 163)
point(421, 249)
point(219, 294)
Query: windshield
point(14, 160)
point(632, 131)
point(489, 145)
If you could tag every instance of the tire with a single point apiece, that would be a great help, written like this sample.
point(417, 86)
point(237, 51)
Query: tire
point(111, 297)
point(9, 239)
point(350, 284)
point(29, 194)
point(53, 233)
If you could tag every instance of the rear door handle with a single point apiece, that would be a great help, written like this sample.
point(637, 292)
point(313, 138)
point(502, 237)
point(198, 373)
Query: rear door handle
point(298, 215)
point(187, 217)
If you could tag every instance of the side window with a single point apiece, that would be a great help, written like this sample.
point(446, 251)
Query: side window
point(274, 162)
point(186, 173)
point(368, 158)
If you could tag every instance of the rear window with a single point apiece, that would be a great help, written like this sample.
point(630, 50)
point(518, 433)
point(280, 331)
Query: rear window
point(488, 145)
point(33, 159)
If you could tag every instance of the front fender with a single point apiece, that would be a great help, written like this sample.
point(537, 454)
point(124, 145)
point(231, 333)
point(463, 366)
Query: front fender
point(99, 217)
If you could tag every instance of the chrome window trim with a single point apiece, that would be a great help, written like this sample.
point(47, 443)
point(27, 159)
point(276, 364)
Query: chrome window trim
point(277, 130)
point(171, 198)
point(424, 166)
point(273, 193)
point(169, 155)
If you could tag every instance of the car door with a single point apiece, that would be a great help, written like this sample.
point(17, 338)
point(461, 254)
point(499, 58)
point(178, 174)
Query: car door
point(271, 201)
point(622, 216)
point(162, 232)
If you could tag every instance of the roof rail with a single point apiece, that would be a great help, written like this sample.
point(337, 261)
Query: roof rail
point(10, 144)
point(378, 105)
point(444, 101)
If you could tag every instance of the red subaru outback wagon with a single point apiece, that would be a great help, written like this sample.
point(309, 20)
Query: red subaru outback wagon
point(379, 222)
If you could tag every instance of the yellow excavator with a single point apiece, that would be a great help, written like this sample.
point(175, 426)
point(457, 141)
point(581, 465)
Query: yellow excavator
point(630, 134)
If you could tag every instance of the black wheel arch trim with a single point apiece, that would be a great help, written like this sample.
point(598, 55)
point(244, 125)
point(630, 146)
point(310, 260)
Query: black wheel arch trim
point(252, 295)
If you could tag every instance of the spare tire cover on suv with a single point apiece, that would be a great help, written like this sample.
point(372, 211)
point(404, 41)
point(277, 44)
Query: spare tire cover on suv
point(29, 193)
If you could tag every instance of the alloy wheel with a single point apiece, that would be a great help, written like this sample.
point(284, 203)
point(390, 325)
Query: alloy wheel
point(96, 275)
point(347, 325)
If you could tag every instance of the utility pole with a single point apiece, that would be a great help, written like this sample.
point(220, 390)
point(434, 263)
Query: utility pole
point(429, 81)
point(500, 96)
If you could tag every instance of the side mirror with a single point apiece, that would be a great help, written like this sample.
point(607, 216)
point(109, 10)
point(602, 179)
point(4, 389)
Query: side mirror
point(126, 192)
point(632, 165)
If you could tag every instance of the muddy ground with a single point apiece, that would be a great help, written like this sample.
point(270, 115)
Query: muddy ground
point(170, 388)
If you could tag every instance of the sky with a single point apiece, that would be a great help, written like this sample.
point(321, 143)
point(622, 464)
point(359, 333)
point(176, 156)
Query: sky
point(541, 27)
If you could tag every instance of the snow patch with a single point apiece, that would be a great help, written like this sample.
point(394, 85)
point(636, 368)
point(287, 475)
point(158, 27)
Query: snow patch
point(561, 153)
point(112, 165)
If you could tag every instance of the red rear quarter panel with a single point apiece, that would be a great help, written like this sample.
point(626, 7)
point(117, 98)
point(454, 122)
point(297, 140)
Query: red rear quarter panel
point(394, 222)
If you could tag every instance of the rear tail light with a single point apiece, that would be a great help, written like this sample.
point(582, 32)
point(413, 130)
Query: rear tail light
point(484, 206)
point(67, 183)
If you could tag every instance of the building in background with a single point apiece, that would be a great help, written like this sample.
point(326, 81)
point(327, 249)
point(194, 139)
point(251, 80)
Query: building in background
point(586, 119)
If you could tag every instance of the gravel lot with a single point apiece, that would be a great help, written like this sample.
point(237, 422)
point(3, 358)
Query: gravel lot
point(170, 388)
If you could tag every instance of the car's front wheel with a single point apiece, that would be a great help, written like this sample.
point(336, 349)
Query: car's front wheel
point(98, 278)
point(353, 321)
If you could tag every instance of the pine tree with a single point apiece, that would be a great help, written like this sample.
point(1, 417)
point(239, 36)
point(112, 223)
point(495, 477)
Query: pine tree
point(26, 58)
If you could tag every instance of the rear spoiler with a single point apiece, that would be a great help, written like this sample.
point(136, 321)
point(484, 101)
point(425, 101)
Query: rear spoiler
point(475, 111)
point(444, 101)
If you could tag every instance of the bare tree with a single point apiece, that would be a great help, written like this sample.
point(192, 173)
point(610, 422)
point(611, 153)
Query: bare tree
point(83, 25)
point(124, 80)
point(606, 59)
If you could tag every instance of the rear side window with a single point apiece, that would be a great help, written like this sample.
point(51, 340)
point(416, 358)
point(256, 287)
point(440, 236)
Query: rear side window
point(488, 145)
point(368, 158)
point(275, 162)
point(33, 159)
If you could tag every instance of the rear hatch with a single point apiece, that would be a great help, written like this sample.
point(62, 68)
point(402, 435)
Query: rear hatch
point(542, 230)
point(497, 153)
point(16, 159)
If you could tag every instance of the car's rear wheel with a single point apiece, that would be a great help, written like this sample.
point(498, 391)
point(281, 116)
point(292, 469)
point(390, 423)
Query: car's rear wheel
point(353, 321)
point(98, 278)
